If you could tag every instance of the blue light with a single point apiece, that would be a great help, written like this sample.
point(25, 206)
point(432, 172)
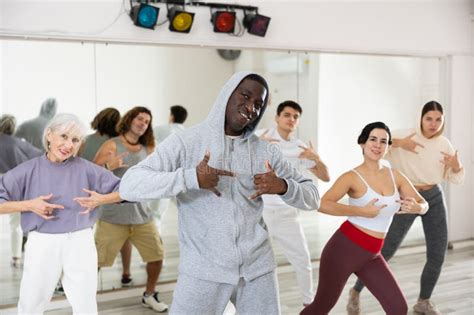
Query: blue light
point(147, 16)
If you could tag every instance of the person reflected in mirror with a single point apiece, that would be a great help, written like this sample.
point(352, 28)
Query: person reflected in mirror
point(122, 225)
point(376, 194)
point(14, 152)
point(104, 124)
point(177, 117)
point(32, 130)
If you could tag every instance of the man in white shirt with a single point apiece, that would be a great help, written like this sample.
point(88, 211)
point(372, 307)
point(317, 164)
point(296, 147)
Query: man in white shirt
point(178, 115)
point(283, 221)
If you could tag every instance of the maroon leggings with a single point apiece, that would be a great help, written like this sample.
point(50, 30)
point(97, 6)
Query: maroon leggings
point(341, 257)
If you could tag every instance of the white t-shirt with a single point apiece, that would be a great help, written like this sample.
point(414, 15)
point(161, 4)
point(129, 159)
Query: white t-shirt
point(291, 151)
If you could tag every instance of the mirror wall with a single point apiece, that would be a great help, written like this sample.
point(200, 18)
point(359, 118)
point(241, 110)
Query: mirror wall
point(339, 95)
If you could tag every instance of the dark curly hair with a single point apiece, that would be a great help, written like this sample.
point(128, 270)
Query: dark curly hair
point(105, 122)
point(147, 139)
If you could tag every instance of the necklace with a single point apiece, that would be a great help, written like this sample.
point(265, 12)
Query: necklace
point(131, 143)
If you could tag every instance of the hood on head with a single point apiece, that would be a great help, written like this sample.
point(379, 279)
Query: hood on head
point(49, 107)
point(216, 117)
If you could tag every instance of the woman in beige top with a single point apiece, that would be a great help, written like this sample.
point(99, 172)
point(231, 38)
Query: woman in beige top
point(427, 158)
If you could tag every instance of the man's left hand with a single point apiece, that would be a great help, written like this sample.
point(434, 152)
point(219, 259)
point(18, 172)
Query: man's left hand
point(268, 183)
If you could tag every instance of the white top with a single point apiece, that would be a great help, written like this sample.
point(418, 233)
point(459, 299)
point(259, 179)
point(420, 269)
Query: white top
point(163, 131)
point(291, 151)
point(382, 221)
point(425, 167)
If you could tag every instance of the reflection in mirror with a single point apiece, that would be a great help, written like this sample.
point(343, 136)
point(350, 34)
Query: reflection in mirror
point(338, 93)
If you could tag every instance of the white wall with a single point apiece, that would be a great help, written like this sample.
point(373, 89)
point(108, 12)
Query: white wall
point(357, 90)
point(438, 27)
point(88, 77)
point(461, 134)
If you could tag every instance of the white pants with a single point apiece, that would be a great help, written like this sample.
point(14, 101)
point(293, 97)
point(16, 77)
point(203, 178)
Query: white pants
point(16, 234)
point(46, 256)
point(285, 229)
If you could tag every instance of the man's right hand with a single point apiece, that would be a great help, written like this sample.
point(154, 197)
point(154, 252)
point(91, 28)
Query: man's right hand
point(208, 177)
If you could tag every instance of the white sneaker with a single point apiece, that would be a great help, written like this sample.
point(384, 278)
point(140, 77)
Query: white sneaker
point(353, 303)
point(426, 307)
point(152, 301)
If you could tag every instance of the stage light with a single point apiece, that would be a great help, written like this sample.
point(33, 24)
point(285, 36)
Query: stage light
point(223, 21)
point(256, 24)
point(144, 15)
point(180, 21)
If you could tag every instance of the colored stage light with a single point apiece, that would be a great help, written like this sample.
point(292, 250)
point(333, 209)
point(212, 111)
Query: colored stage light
point(223, 21)
point(144, 15)
point(256, 24)
point(180, 21)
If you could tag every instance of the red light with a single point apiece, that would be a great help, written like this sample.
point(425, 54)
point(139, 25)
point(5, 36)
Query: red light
point(224, 22)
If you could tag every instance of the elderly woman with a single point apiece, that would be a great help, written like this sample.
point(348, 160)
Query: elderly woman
point(56, 194)
point(14, 152)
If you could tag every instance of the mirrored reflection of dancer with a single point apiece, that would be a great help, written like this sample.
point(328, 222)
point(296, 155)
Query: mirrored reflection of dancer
point(376, 194)
point(14, 151)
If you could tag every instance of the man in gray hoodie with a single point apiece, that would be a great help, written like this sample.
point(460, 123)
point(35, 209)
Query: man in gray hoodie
point(218, 170)
point(32, 130)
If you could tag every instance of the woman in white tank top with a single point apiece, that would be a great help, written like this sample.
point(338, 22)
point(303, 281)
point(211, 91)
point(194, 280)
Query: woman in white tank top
point(376, 193)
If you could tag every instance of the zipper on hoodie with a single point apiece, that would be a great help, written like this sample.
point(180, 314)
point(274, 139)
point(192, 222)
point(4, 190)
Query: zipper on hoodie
point(236, 218)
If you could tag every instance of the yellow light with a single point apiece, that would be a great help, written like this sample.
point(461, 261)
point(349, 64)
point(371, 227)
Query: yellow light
point(182, 21)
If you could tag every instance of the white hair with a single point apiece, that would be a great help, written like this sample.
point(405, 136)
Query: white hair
point(63, 123)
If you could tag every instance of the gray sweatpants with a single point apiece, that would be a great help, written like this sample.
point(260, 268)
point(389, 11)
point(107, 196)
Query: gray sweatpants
point(199, 297)
point(435, 227)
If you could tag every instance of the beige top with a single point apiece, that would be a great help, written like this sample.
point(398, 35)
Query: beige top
point(424, 168)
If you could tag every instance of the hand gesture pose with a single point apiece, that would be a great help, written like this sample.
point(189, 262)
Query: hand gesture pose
point(370, 210)
point(309, 153)
point(115, 161)
point(208, 177)
point(91, 202)
point(267, 138)
point(320, 170)
point(409, 144)
point(409, 205)
point(41, 207)
point(451, 161)
point(268, 183)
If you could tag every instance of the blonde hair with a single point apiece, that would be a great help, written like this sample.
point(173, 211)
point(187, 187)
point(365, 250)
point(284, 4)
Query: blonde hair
point(63, 123)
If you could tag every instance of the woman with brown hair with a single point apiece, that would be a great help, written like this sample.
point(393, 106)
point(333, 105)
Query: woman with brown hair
point(105, 124)
point(121, 225)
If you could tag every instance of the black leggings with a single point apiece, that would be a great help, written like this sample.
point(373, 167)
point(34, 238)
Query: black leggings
point(340, 258)
point(436, 235)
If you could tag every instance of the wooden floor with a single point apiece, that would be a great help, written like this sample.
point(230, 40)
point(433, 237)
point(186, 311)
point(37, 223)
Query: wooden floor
point(318, 229)
point(454, 293)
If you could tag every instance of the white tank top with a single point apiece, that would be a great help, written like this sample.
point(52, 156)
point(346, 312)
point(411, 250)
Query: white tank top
point(382, 221)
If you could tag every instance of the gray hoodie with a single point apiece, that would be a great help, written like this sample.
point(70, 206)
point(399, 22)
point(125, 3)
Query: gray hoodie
point(32, 130)
point(221, 238)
